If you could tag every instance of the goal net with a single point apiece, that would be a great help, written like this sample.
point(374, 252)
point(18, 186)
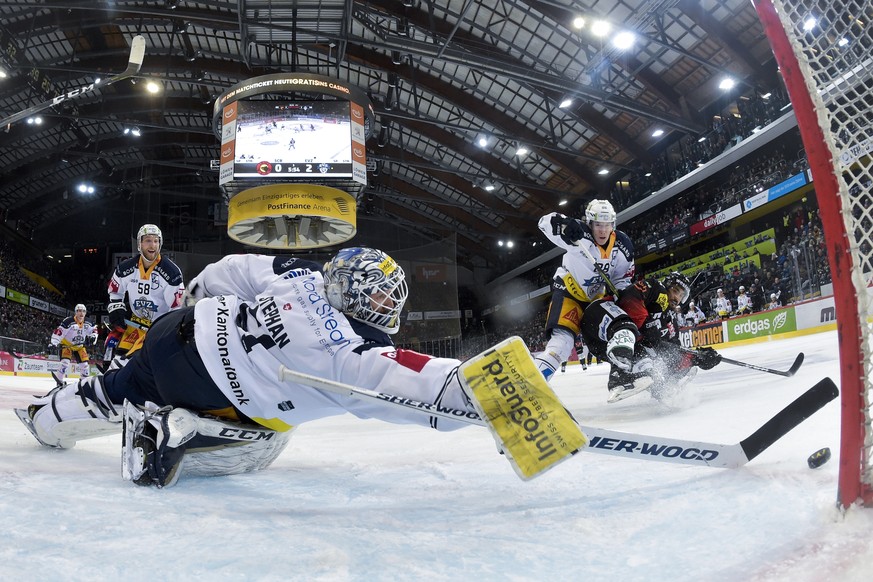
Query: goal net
point(824, 49)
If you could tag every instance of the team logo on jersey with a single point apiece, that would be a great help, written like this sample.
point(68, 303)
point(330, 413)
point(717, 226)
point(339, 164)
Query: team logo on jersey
point(113, 285)
point(572, 316)
point(156, 281)
point(287, 307)
point(663, 301)
point(143, 305)
point(415, 361)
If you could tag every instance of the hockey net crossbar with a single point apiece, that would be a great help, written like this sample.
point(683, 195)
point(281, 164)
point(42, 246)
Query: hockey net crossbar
point(823, 49)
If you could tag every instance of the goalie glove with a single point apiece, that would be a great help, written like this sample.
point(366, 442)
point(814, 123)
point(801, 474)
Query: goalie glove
point(620, 349)
point(706, 358)
point(194, 292)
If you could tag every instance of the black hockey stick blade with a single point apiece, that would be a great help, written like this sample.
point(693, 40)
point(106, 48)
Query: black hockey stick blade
point(795, 366)
point(789, 417)
point(134, 63)
point(787, 373)
point(798, 361)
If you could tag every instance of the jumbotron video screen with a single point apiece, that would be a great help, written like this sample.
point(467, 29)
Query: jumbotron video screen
point(287, 139)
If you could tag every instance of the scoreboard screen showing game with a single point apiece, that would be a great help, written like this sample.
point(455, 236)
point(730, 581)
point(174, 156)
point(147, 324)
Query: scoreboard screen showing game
point(293, 139)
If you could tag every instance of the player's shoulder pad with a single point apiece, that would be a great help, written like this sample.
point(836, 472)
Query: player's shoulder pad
point(67, 322)
point(624, 243)
point(127, 266)
point(169, 271)
point(283, 264)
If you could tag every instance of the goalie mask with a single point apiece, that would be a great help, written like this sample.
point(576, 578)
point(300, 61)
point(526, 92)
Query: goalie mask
point(149, 229)
point(366, 285)
point(677, 280)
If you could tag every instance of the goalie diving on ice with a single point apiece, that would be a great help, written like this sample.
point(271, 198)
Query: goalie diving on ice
point(203, 397)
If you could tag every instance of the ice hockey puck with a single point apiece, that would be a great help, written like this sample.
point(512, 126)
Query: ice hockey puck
point(819, 458)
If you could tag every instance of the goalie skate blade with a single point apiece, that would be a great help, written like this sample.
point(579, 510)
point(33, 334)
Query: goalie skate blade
point(25, 419)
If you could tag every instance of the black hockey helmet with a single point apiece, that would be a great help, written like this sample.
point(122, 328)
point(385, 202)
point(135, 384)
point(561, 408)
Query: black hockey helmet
point(679, 281)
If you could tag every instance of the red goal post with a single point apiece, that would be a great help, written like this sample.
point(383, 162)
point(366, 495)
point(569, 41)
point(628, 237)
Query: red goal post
point(824, 49)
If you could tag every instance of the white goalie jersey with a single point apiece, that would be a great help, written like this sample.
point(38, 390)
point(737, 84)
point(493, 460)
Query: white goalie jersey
point(261, 312)
point(151, 292)
point(576, 271)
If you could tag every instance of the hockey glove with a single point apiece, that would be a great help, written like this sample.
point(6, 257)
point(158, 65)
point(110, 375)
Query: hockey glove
point(117, 313)
point(112, 340)
point(569, 229)
point(706, 358)
point(620, 349)
point(573, 231)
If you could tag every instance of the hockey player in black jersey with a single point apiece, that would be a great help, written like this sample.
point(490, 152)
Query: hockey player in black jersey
point(641, 322)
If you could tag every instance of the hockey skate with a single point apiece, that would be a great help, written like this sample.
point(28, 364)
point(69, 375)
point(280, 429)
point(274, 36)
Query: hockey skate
point(71, 412)
point(625, 383)
point(26, 418)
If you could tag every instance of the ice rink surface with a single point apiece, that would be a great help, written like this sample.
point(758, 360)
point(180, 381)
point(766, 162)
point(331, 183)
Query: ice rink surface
point(365, 500)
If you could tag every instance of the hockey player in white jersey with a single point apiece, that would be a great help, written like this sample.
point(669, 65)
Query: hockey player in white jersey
point(577, 282)
point(744, 302)
point(722, 305)
point(72, 335)
point(221, 358)
point(153, 286)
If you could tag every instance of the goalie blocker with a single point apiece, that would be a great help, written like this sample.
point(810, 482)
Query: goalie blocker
point(525, 417)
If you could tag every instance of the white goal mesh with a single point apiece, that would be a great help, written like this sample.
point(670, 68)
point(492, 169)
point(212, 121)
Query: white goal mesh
point(824, 49)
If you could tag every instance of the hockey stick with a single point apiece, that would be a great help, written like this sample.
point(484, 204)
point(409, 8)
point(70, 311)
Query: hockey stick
point(787, 373)
point(137, 53)
point(622, 444)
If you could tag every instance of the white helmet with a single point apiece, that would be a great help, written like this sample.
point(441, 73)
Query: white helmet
point(147, 229)
point(367, 285)
point(81, 307)
point(600, 211)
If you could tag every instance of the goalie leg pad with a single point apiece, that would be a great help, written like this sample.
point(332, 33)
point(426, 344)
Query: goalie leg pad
point(72, 413)
point(160, 445)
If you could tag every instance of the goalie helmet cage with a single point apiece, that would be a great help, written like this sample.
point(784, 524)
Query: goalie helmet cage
point(824, 50)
